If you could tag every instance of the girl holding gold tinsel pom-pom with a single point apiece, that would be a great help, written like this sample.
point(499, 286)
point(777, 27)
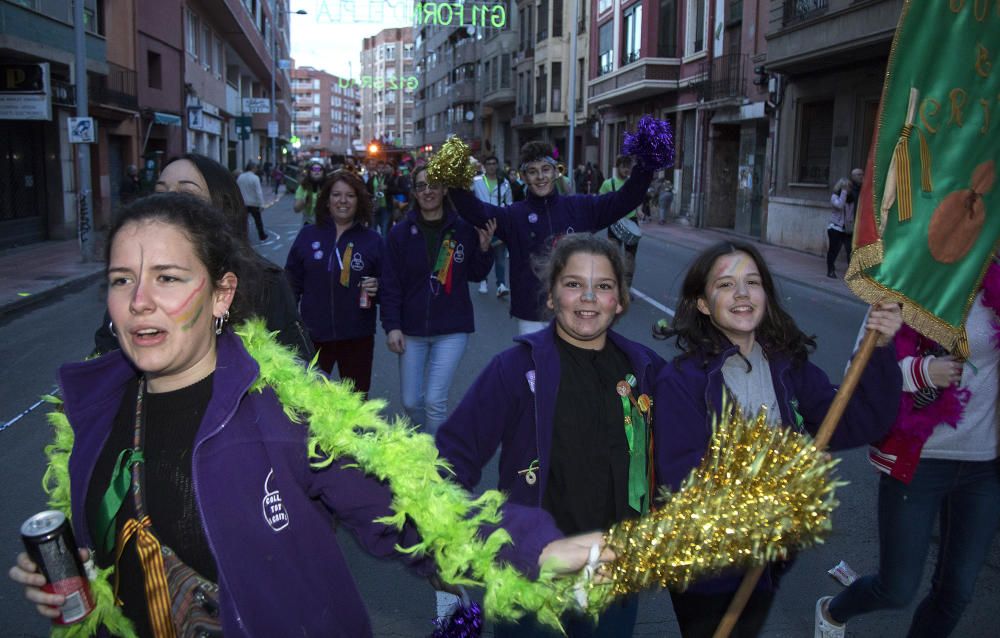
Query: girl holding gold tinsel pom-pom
point(740, 346)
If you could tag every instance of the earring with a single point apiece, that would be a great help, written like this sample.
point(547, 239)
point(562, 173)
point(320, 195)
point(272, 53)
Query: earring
point(111, 329)
point(221, 321)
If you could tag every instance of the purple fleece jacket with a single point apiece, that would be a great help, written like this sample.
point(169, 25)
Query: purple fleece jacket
point(330, 311)
point(689, 392)
point(278, 576)
point(530, 226)
point(409, 300)
point(512, 406)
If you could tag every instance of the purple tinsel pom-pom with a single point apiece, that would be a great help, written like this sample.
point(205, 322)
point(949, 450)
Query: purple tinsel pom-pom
point(652, 144)
point(466, 622)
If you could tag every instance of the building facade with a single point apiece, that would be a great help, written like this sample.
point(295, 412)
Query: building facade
point(388, 87)
point(327, 112)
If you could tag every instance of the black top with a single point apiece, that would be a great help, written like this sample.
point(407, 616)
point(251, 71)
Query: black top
point(171, 424)
point(431, 231)
point(588, 469)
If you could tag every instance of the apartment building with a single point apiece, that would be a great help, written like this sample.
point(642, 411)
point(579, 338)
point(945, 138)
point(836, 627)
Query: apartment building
point(389, 86)
point(327, 112)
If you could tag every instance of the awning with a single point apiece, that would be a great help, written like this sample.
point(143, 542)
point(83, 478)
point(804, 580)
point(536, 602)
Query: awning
point(166, 118)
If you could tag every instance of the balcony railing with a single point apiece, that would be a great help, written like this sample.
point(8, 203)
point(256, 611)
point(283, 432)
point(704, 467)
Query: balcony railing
point(629, 58)
point(725, 77)
point(117, 88)
point(799, 10)
point(63, 93)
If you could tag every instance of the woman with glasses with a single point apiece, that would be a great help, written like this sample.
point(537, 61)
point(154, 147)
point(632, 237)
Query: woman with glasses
point(334, 267)
point(308, 191)
point(430, 256)
point(531, 226)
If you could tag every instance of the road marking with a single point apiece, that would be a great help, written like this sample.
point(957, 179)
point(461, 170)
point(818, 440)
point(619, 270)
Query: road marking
point(656, 304)
point(24, 413)
point(272, 236)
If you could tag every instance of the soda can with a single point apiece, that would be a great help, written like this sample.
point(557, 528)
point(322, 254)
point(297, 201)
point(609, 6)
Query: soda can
point(48, 538)
point(364, 299)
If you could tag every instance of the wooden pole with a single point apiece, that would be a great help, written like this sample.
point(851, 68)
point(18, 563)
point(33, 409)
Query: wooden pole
point(826, 430)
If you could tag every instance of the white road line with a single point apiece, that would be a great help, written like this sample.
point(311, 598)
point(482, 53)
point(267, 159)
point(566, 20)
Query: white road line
point(656, 304)
point(26, 412)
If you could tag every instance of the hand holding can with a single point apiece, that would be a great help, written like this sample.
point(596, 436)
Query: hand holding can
point(52, 570)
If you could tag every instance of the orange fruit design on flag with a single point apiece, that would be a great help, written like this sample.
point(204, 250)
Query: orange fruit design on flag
point(960, 216)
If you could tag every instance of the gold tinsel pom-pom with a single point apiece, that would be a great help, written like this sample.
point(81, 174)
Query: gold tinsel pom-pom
point(760, 493)
point(450, 166)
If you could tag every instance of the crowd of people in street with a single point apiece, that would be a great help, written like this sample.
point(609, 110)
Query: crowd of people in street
point(174, 437)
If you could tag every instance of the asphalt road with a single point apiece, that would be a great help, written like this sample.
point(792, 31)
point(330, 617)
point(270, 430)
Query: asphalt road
point(37, 341)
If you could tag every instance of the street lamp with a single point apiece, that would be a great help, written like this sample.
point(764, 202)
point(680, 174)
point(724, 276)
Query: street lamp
point(280, 4)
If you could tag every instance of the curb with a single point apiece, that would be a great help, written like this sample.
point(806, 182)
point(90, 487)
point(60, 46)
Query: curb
point(70, 284)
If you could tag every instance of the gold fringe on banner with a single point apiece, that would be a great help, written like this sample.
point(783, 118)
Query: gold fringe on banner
point(925, 163)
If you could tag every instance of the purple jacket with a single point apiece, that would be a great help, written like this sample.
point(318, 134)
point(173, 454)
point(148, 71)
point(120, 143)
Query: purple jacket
point(529, 227)
point(409, 300)
point(512, 406)
point(693, 392)
point(330, 311)
point(278, 575)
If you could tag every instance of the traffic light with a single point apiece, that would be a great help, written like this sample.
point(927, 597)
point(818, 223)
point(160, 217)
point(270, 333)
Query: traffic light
point(762, 75)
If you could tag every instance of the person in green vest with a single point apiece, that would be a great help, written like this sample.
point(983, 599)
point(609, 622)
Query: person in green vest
point(309, 187)
point(626, 240)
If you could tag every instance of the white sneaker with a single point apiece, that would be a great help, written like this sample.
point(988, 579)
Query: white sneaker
point(825, 626)
point(502, 291)
point(483, 288)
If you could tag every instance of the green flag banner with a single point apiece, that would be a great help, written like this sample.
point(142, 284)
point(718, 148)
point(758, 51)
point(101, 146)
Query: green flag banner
point(928, 217)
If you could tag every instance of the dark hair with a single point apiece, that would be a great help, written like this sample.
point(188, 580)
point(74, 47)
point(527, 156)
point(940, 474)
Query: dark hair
point(222, 189)
point(534, 151)
point(307, 182)
point(698, 336)
point(205, 227)
point(623, 160)
point(362, 214)
point(549, 265)
point(489, 157)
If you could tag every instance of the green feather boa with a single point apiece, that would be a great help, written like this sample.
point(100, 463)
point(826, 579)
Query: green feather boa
point(341, 424)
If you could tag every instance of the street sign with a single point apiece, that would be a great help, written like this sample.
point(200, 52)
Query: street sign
point(256, 105)
point(284, 64)
point(272, 129)
point(243, 126)
point(81, 130)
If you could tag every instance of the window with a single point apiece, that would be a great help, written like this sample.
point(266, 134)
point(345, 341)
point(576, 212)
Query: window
point(557, 18)
point(666, 41)
point(556, 101)
point(633, 33)
point(193, 34)
point(315, 83)
point(815, 142)
point(697, 26)
point(220, 59)
point(206, 47)
point(489, 76)
point(93, 16)
point(408, 52)
point(540, 88)
point(505, 71)
point(605, 48)
point(603, 5)
point(580, 83)
point(543, 20)
point(154, 70)
point(390, 52)
point(315, 98)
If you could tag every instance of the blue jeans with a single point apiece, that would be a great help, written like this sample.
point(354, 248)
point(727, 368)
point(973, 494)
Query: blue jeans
point(500, 263)
point(617, 621)
point(965, 495)
point(426, 369)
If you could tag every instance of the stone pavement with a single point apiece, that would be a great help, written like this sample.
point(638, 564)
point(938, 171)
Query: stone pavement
point(31, 274)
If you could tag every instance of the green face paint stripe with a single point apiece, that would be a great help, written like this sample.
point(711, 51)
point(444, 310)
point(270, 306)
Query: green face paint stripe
point(194, 320)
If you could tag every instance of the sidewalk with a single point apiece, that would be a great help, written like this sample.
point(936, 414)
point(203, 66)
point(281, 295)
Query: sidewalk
point(33, 274)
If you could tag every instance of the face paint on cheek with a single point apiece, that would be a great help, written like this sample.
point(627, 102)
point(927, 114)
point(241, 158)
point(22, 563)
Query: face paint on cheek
point(183, 307)
point(186, 313)
point(194, 320)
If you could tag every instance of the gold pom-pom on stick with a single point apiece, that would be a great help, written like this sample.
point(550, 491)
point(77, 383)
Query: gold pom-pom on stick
point(450, 166)
point(760, 493)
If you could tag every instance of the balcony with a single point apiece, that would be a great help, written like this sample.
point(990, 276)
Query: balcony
point(805, 36)
point(117, 88)
point(725, 78)
point(644, 78)
point(499, 97)
point(522, 120)
point(463, 91)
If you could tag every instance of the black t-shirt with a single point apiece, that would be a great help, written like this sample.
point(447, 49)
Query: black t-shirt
point(431, 231)
point(171, 421)
point(588, 470)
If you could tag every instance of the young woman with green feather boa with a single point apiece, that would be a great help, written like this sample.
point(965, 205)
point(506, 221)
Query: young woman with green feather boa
point(224, 448)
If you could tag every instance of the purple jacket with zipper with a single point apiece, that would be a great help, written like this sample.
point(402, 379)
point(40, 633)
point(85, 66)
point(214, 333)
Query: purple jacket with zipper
point(512, 406)
point(330, 311)
point(692, 388)
point(409, 300)
point(530, 226)
point(277, 576)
